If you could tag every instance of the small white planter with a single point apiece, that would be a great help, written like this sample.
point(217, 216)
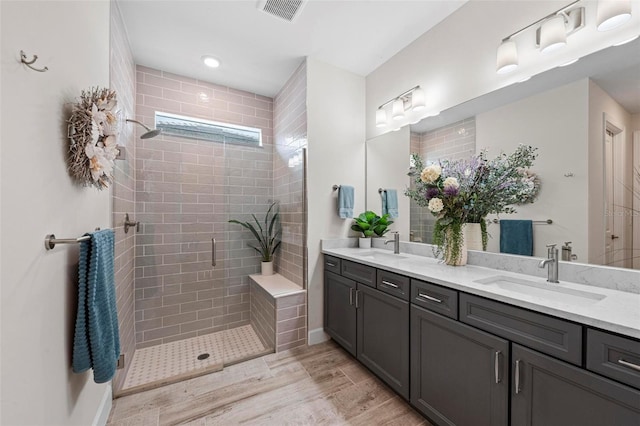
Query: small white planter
point(364, 242)
point(267, 268)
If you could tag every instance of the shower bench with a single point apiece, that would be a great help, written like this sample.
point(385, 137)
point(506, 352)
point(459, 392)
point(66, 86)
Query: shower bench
point(278, 311)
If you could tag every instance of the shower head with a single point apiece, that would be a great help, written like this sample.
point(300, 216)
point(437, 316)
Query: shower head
point(151, 133)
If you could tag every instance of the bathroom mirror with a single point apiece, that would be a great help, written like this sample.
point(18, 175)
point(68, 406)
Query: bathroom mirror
point(587, 180)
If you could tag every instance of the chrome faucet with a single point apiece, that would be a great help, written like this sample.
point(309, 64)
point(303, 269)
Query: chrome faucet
point(552, 263)
point(395, 241)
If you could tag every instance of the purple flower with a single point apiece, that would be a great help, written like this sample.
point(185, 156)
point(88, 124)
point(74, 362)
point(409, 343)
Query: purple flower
point(431, 192)
point(451, 191)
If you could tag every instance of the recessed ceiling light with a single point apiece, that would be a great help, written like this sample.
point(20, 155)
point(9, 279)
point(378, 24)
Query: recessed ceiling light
point(211, 62)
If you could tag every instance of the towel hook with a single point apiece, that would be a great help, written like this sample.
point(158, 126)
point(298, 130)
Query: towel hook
point(381, 190)
point(336, 187)
point(23, 59)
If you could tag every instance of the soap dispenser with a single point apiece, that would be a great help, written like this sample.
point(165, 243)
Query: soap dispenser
point(566, 252)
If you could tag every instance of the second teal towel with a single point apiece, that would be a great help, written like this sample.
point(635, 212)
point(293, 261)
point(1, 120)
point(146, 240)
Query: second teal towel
point(516, 237)
point(390, 203)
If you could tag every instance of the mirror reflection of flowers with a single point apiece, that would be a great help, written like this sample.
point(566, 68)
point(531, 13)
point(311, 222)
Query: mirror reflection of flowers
point(466, 191)
point(93, 128)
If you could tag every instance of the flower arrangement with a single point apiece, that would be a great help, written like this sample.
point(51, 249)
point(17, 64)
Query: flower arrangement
point(92, 131)
point(466, 191)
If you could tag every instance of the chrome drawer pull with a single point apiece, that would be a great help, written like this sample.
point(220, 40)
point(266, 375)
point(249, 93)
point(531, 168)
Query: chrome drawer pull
point(433, 299)
point(517, 374)
point(390, 284)
point(629, 364)
point(357, 294)
point(496, 366)
point(351, 296)
point(331, 264)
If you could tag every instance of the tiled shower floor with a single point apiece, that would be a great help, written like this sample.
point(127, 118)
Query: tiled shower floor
point(170, 362)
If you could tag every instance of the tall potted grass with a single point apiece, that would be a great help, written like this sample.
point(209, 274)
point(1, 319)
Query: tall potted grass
point(268, 234)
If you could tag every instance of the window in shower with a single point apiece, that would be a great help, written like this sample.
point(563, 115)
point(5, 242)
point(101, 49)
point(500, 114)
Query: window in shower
point(196, 128)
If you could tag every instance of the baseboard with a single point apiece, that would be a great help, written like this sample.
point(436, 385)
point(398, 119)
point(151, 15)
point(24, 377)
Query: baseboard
point(102, 416)
point(317, 336)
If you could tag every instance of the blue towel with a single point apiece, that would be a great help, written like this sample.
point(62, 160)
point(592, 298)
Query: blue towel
point(345, 201)
point(390, 203)
point(96, 341)
point(516, 237)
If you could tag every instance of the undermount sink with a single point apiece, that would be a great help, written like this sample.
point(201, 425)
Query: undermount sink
point(377, 255)
point(549, 290)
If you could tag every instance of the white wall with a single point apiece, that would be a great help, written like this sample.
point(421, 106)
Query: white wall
point(387, 159)
point(456, 60)
point(335, 126)
point(601, 103)
point(37, 198)
point(555, 122)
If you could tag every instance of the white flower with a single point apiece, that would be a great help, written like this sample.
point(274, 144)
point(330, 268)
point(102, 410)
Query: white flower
point(98, 161)
point(435, 205)
point(431, 173)
point(99, 118)
point(451, 182)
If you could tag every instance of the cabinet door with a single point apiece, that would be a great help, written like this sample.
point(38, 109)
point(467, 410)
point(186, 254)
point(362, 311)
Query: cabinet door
point(459, 375)
point(383, 337)
point(549, 392)
point(340, 311)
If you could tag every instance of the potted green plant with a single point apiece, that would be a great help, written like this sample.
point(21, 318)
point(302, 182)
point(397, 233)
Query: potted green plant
point(268, 234)
point(370, 224)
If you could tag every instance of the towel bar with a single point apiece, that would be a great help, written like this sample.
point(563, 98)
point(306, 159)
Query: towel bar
point(336, 187)
point(50, 240)
point(541, 222)
point(381, 190)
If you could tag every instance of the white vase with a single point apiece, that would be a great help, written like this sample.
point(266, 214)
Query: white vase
point(364, 242)
point(267, 268)
point(472, 236)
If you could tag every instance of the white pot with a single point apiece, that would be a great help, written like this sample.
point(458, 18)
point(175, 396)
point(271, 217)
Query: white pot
point(364, 242)
point(472, 236)
point(267, 268)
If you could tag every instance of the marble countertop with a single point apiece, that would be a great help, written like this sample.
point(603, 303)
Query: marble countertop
point(618, 311)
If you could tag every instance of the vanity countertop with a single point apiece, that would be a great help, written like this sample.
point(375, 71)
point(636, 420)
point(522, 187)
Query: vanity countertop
point(617, 311)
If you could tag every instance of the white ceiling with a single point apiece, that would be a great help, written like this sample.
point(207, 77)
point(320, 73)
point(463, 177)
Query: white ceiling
point(259, 52)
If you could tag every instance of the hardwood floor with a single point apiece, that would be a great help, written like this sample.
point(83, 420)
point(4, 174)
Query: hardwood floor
point(314, 385)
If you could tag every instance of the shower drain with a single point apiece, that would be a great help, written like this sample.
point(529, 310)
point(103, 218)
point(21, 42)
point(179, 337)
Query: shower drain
point(203, 356)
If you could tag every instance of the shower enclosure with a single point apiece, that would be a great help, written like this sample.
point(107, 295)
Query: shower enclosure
point(192, 267)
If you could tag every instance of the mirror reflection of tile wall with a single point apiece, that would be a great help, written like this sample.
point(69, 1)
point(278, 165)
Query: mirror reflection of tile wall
point(453, 142)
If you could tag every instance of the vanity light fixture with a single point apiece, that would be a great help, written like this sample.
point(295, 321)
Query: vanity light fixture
point(612, 13)
point(413, 99)
point(553, 34)
point(397, 109)
point(507, 60)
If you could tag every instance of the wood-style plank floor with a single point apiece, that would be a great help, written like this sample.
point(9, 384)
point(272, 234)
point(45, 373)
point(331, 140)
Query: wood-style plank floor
point(314, 385)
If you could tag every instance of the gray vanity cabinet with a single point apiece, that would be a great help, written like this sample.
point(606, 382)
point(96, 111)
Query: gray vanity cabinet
point(383, 337)
point(370, 324)
point(549, 392)
point(459, 375)
point(340, 310)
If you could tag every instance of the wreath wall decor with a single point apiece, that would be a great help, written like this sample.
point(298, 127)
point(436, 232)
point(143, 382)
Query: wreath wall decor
point(92, 131)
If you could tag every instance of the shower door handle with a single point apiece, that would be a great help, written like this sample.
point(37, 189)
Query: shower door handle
point(213, 252)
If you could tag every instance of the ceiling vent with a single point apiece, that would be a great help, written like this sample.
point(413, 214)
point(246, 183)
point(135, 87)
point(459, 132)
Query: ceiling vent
point(283, 9)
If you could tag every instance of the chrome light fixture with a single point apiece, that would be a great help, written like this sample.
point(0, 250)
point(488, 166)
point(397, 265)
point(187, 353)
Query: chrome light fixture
point(612, 13)
point(553, 34)
point(413, 99)
point(507, 59)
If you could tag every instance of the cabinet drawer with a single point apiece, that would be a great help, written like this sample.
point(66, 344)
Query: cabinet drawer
point(361, 273)
point(332, 264)
point(614, 356)
point(394, 284)
point(553, 336)
point(435, 298)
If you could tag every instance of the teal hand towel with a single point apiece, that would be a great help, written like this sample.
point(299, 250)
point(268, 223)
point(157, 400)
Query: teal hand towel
point(345, 201)
point(390, 203)
point(516, 237)
point(96, 341)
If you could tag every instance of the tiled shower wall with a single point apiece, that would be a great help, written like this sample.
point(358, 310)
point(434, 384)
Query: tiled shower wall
point(290, 121)
point(186, 191)
point(453, 142)
point(122, 80)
